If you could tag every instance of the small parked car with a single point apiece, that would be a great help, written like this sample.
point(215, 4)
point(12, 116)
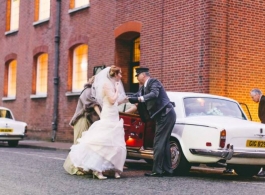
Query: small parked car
point(209, 129)
point(11, 130)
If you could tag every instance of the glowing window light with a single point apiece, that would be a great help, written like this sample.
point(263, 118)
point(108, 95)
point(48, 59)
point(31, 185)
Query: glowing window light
point(14, 15)
point(134, 73)
point(79, 67)
point(44, 9)
point(42, 74)
point(79, 3)
point(12, 79)
point(136, 50)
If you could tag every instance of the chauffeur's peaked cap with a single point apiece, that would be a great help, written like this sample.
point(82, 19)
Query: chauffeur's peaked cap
point(140, 70)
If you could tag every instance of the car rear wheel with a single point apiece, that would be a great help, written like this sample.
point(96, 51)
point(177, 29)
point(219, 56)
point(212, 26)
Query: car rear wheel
point(180, 165)
point(246, 171)
point(13, 143)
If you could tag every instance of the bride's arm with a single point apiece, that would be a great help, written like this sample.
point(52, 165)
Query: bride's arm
point(110, 92)
point(97, 110)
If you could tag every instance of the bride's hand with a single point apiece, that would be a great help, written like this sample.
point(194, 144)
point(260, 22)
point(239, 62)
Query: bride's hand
point(117, 86)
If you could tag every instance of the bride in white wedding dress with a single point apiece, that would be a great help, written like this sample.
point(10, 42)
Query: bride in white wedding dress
point(103, 147)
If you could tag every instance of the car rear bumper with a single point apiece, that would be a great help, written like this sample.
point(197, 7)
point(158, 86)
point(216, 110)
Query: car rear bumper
point(225, 154)
point(7, 137)
point(249, 154)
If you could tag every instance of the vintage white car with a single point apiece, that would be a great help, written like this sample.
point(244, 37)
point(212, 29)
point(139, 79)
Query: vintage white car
point(209, 129)
point(11, 130)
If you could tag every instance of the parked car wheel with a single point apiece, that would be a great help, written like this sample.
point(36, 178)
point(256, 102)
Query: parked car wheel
point(247, 171)
point(13, 143)
point(180, 165)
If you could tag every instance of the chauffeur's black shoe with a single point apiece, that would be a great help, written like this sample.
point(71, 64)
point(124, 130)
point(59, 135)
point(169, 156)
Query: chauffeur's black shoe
point(154, 174)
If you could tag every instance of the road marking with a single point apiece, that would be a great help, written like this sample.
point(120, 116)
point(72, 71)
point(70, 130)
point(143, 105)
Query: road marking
point(55, 158)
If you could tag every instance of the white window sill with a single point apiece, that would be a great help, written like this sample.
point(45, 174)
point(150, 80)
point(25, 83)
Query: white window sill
point(11, 32)
point(78, 8)
point(40, 21)
point(36, 96)
point(8, 98)
point(72, 93)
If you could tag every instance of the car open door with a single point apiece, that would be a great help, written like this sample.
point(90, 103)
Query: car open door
point(134, 130)
point(246, 110)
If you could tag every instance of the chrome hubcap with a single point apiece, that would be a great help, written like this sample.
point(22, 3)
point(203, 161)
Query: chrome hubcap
point(174, 154)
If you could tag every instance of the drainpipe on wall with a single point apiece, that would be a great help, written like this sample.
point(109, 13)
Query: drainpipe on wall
point(56, 67)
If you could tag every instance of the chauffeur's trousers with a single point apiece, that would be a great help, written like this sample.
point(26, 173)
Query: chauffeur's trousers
point(162, 155)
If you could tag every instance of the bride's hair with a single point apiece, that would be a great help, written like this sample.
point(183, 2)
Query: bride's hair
point(114, 70)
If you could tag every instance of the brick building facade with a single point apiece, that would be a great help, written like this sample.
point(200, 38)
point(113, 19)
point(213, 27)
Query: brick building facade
point(209, 46)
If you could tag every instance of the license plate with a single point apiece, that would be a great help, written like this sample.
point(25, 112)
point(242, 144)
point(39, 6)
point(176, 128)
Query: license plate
point(255, 143)
point(6, 130)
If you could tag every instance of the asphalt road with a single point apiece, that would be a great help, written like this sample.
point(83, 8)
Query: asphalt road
point(26, 171)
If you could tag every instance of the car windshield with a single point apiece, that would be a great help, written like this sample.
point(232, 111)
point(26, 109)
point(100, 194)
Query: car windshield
point(202, 106)
point(5, 114)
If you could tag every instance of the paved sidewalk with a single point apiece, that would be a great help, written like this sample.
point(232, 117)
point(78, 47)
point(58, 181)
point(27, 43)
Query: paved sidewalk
point(45, 145)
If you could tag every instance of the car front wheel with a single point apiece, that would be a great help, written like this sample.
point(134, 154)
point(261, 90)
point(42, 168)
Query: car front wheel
point(180, 165)
point(246, 170)
point(13, 143)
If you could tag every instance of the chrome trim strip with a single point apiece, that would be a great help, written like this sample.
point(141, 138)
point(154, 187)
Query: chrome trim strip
point(222, 153)
point(249, 154)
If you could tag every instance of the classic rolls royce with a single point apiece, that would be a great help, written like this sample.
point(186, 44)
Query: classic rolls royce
point(11, 130)
point(209, 129)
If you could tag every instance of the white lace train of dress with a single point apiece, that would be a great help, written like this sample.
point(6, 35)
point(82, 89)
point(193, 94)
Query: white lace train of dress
point(102, 147)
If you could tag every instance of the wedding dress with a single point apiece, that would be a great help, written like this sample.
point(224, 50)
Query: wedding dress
point(102, 147)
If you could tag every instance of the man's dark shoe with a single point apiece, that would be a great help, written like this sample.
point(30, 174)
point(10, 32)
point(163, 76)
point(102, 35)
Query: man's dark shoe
point(261, 174)
point(154, 174)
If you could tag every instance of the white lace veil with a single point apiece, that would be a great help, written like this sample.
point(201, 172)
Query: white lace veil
point(97, 88)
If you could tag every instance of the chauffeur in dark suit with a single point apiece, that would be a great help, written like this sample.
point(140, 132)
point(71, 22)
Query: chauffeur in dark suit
point(152, 98)
point(257, 97)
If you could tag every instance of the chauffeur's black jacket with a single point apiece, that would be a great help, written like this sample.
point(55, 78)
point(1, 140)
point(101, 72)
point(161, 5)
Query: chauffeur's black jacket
point(261, 112)
point(155, 97)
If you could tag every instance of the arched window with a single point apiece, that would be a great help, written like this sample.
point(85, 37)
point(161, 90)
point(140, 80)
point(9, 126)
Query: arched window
point(42, 74)
point(79, 69)
point(11, 79)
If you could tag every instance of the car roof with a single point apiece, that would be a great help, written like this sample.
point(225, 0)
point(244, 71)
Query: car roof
point(3, 108)
point(182, 95)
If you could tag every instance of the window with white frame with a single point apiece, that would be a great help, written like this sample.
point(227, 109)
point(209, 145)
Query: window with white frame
point(42, 74)
point(78, 3)
point(12, 78)
point(12, 15)
point(79, 69)
point(42, 10)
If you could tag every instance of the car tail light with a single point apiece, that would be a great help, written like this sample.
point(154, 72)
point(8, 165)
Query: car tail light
point(222, 138)
point(26, 129)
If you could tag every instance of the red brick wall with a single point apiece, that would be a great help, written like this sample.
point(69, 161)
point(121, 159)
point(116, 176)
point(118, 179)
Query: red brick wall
point(209, 46)
point(36, 112)
point(94, 23)
point(171, 43)
point(237, 49)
